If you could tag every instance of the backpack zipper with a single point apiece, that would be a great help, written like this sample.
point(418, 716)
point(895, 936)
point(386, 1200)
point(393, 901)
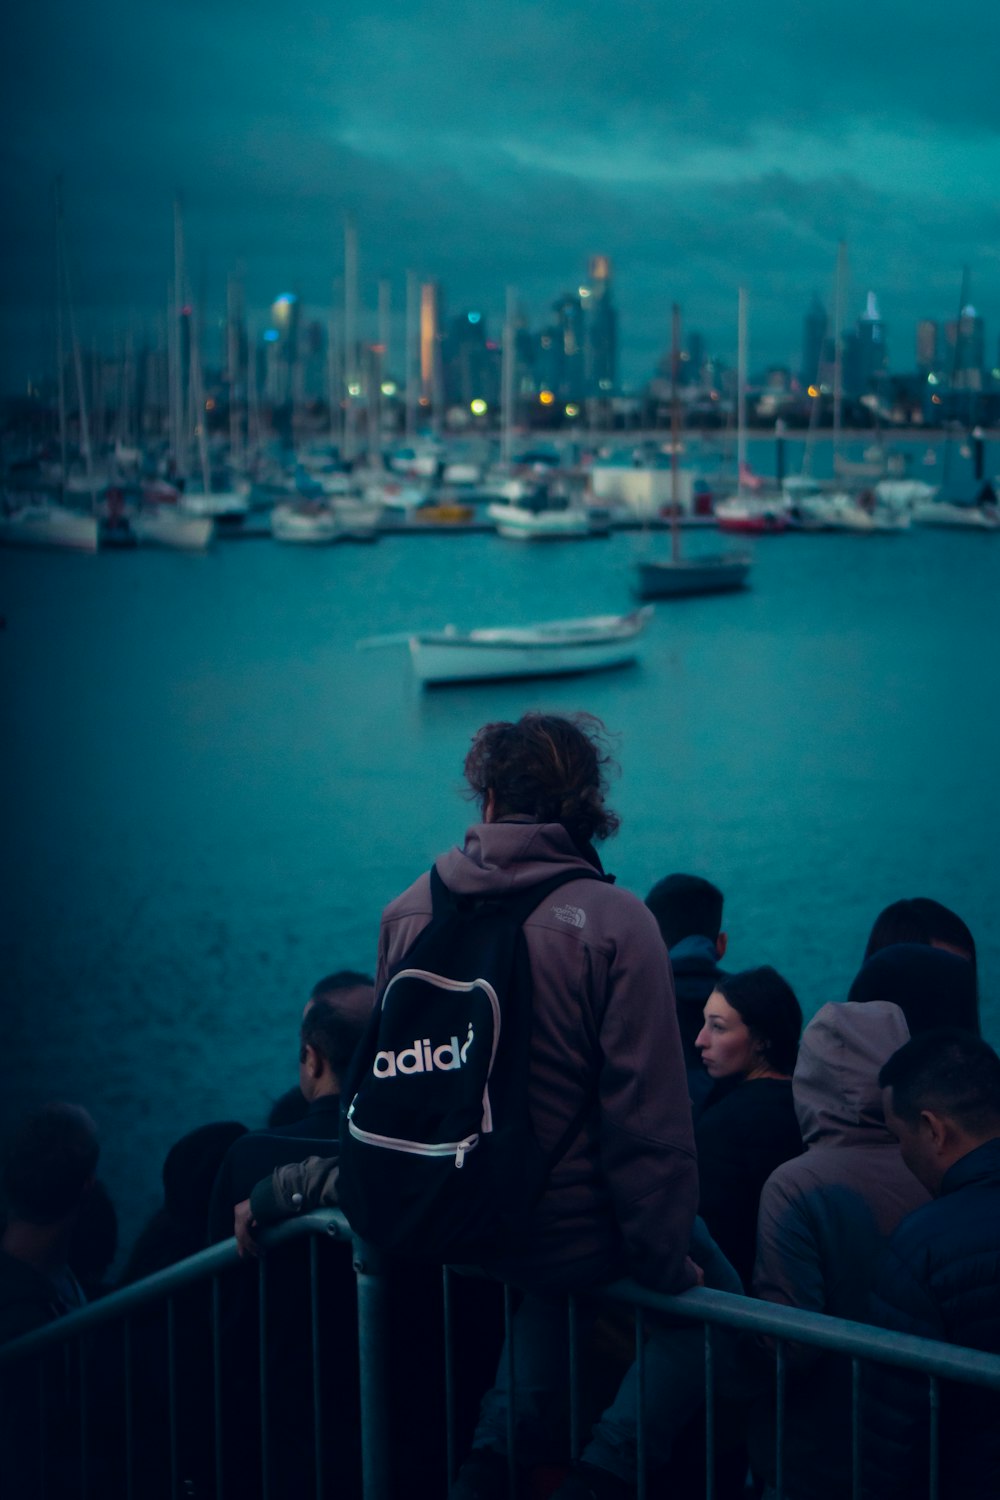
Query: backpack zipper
point(458, 1149)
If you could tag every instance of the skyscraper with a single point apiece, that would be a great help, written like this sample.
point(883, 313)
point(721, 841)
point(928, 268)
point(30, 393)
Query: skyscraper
point(814, 328)
point(966, 341)
point(872, 354)
point(599, 330)
point(927, 345)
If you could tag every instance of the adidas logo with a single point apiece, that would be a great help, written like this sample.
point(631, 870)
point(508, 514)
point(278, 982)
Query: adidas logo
point(422, 1057)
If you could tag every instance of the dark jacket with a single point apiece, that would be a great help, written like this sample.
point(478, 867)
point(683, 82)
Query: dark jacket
point(623, 1196)
point(823, 1219)
point(940, 1279)
point(696, 971)
point(741, 1138)
point(255, 1155)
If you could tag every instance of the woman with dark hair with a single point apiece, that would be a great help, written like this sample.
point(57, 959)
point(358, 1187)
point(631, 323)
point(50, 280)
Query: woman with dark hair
point(748, 1046)
point(918, 919)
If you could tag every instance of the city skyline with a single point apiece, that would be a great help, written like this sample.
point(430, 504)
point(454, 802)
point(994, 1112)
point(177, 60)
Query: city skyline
point(699, 149)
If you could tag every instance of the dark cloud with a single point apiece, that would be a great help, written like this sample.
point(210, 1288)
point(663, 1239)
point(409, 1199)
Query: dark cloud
point(700, 146)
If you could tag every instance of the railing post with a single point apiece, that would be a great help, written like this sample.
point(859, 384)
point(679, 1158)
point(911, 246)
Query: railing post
point(709, 1412)
point(640, 1402)
point(317, 1367)
point(451, 1450)
point(373, 1361)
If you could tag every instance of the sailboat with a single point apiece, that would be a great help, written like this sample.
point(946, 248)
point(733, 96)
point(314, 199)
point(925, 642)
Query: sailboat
point(43, 523)
point(679, 577)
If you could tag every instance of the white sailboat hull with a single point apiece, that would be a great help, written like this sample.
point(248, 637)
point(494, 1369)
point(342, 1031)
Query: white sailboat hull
point(218, 505)
point(49, 526)
point(314, 528)
point(519, 524)
point(171, 528)
point(557, 648)
point(964, 517)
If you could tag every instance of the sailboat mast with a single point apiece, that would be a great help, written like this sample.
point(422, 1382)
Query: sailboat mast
point(675, 434)
point(963, 302)
point(177, 436)
point(233, 329)
point(88, 457)
point(350, 331)
point(741, 390)
point(410, 354)
point(507, 381)
point(838, 346)
point(60, 349)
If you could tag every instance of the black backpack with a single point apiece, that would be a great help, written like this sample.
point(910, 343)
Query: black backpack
point(438, 1159)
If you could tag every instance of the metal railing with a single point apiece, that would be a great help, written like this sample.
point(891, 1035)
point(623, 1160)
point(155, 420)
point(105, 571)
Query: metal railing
point(61, 1353)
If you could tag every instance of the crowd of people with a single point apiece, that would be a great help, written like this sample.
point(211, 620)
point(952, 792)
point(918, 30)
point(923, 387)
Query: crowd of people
point(694, 1133)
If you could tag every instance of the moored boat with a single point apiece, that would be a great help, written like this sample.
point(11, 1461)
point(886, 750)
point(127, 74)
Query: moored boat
point(40, 524)
point(307, 522)
point(542, 522)
point(166, 526)
point(549, 649)
point(675, 578)
point(963, 517)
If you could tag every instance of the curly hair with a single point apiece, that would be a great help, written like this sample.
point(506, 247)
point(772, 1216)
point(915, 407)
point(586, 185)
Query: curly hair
point(549, 768)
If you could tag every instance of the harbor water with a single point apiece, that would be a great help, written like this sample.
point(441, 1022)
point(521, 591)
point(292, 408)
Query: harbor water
point(210, 792)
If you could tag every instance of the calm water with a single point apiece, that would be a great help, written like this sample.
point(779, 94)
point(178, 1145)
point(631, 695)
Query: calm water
point(210, 793)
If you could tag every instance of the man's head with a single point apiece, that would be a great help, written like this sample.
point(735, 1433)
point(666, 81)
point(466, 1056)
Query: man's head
point(545, 767)
point(688, 906)
point(332, 1024)
point(49, 1166)
point(941, 1094)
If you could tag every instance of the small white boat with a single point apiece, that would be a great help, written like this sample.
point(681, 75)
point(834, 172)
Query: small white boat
point(219, 505)
point(963, 517)
point(307, 522)
point(845, 512)
point(522, 523)
point(551, 649)
point(166, 526)
point(39, 524)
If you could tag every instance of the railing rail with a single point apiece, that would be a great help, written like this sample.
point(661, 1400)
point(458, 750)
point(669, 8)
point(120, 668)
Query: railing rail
point(782, 1327)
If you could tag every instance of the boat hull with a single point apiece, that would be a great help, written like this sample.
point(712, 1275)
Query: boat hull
point(49, 526)
point(169, 528)
point(678, 580)
point(485, 656)
point(960, 517)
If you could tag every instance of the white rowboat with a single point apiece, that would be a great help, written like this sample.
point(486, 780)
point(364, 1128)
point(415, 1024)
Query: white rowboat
point(550, 649)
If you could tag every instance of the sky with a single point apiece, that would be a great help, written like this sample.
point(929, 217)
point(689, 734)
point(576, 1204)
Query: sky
point(702, 146)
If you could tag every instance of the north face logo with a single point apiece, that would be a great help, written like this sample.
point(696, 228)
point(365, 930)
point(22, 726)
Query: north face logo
point(422, 1057)
point(571, 914)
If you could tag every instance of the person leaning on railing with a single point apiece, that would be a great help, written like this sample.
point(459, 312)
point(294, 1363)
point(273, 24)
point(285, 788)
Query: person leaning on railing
point(605, 1047)
point(940, 1277)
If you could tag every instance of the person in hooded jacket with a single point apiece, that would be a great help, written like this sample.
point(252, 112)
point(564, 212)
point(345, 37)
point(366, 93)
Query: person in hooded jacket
point(824, 1218)
point(605, 1050)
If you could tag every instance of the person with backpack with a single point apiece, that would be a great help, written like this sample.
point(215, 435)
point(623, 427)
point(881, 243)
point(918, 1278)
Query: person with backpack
point(576, 1120)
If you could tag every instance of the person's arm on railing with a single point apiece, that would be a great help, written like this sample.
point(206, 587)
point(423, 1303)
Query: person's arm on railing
point(297, 1188)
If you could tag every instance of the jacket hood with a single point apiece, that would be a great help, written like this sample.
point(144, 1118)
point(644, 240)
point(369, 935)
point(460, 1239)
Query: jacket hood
point(835, 1083)
point(695, 953)
point(510, 856)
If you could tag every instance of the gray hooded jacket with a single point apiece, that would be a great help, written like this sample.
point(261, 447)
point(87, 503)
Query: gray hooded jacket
point(623, 1197)
point(825, 1217)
